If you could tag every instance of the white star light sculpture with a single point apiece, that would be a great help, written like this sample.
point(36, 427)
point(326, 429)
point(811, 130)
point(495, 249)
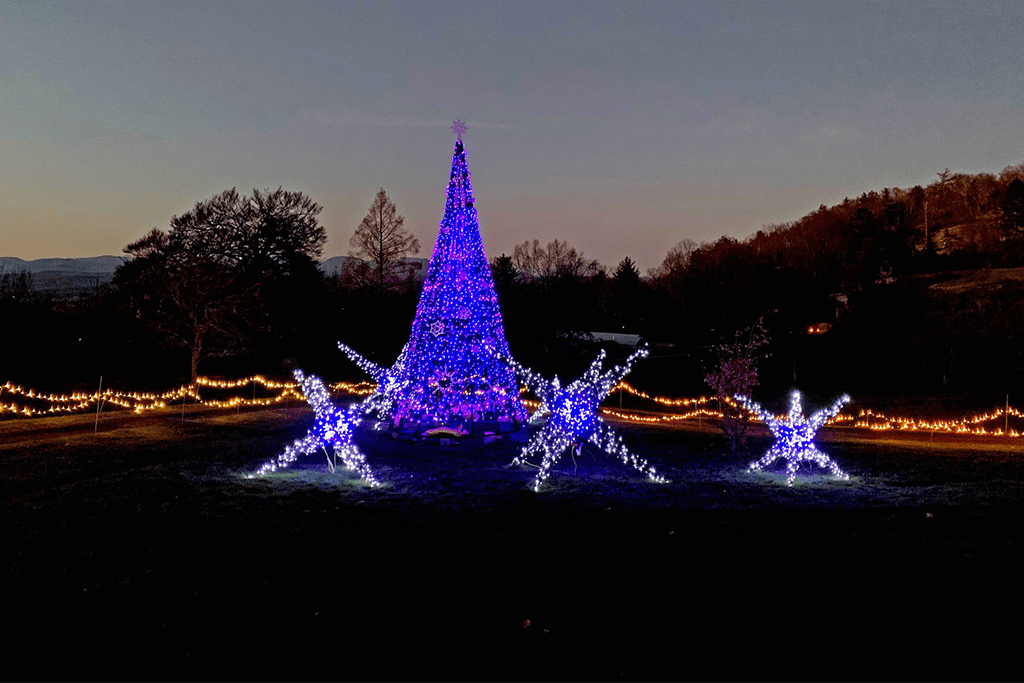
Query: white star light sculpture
point(391, 383)
point(333, 427)
point(573, 418)
point(794, 436)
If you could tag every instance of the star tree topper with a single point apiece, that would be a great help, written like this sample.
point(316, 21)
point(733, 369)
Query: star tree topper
point(458, 127)
point(333, 427)
point(794, 436)
point(573, 417)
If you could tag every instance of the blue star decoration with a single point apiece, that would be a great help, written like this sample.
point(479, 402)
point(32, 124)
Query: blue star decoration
point(573, 417)
point(794, 436)
point(332, 427)
point(392, 383)
point(458, 127)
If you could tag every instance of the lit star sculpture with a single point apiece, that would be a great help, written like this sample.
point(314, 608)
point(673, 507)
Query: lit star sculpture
point(458, 127)
point(794, 436)
point(333, 427)
point(573, 417)
point(390, 383)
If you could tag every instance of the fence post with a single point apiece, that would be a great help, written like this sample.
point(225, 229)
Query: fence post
point(99, 405)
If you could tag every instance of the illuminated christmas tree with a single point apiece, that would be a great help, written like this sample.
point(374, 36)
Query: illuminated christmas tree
point(448, 375)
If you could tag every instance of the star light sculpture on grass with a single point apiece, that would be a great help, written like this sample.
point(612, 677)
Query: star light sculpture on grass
point(573, 417)
point(391, 385)
point(333, 428)
point(794, 436)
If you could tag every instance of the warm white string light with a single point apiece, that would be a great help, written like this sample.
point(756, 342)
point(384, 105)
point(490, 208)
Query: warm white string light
point(140, 402)
point(12, 402)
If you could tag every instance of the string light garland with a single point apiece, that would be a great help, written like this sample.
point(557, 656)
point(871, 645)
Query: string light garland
point(445, 375)
point(573, 419)
point(794, 436)
point(686, 402)
point(13, 404)
point(141, 402)
point(333, 427)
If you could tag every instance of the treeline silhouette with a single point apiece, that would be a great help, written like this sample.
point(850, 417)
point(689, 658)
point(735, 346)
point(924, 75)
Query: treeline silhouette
point(904, 291)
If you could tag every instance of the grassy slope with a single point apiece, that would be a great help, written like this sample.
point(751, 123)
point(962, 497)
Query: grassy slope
point(141, 552)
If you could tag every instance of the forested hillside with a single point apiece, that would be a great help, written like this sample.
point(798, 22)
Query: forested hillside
point(879, 291)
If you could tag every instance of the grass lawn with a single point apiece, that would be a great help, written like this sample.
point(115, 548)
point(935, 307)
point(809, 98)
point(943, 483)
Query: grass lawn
point(142, 552)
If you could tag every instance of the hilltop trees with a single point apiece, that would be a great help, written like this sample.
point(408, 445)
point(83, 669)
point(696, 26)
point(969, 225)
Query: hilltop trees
point(555, 279)
point(556, 261)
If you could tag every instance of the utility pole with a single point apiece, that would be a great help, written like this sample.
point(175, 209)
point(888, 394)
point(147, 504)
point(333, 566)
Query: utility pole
point(927, 244)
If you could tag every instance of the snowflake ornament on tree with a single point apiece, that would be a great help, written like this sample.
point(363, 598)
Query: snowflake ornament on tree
point(573, 417)
point(794, 436)
point(333, 428)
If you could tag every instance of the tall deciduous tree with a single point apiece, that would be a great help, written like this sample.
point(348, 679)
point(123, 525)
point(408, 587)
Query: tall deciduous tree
point(381, 242)
point(198, 285)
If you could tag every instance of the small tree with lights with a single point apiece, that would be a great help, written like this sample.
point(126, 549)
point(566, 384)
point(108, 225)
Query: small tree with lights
point(736, 373)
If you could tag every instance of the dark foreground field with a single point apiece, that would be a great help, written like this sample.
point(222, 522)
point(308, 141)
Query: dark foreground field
point(143, 553)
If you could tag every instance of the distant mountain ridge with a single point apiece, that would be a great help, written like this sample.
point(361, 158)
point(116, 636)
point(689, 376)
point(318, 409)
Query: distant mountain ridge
point(89, 264)
point(72, 275)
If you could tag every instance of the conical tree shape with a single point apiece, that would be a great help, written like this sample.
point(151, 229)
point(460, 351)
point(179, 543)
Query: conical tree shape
point(454, 377)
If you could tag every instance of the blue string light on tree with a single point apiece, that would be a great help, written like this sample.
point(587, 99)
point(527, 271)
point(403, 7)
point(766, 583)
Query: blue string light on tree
point(333, 427)
point(447, 375)
point(573, 417)
point(794, 436)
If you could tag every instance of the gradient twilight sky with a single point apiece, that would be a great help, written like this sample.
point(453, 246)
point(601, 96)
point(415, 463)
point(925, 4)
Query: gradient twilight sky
point(620, 127)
